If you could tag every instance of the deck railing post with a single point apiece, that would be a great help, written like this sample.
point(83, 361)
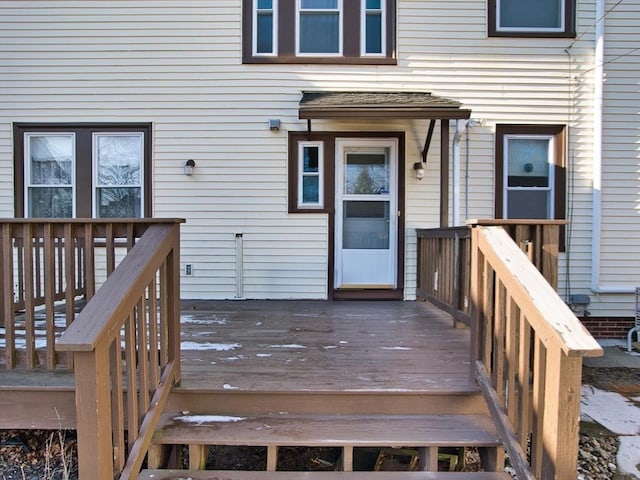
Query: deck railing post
point(93, 414)
point(173, 299)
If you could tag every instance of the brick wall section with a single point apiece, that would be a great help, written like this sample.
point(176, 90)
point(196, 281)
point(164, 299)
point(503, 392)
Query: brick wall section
point(608, 327)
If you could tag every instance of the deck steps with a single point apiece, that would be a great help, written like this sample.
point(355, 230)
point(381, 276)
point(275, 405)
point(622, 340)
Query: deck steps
point(233, 475)
point(424, 433)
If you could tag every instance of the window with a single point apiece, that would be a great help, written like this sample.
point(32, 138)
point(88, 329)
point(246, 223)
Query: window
point(542, 18)
point(319, 31)
point(530, 172)
point(310, 175)
point(265, 17)
point(372, 40)
point(82, 171)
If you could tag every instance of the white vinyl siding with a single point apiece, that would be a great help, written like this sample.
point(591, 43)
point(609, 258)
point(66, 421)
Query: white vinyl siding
point(178, 64)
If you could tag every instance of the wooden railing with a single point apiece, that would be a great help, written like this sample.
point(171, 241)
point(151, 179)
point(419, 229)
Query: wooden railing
point(48, 270)
point(500, 277)
point(126, 349)
point(444, 256)
point(527, 349)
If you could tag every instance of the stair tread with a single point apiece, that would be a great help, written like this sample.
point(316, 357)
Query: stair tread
point(329, 430)
point(233, 475)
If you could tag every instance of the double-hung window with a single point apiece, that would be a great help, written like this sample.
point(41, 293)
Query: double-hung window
point(550, 18)
point(82, 171)
point(310, 175)
point(530, 172)
point(319, 27)
point(319, 31)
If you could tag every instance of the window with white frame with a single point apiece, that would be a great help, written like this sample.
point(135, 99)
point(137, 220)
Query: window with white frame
point(373, 31)
point(82, 171)
point(319, 31)
point(265, 19)
point(528, 176)
point(310, 175)
point(532, 18)
point(319, 27)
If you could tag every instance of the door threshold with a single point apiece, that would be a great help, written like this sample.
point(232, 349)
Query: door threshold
point(368, 294)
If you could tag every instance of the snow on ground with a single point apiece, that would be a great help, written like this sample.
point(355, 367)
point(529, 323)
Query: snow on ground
point(204, 419)
point(219, 347)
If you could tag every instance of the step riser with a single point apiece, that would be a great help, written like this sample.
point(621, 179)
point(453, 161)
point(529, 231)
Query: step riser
point(241, 403)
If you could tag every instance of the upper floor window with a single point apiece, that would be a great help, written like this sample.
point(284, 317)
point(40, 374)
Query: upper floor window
point(82, 171)
point(319, 31)
point(526, 18)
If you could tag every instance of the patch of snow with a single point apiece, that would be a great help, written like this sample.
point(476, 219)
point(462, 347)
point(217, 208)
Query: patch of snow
point(329, 347)
point(232, 359)
point(262, 355)
point(612, 342)
point(628, 455)
point(343, 342)
point(396, 348)
point(218, 347)
point(202, 419)
point(258, 324)
point(189, 319)
point(292, 345)
point(226, 386)
point(610, 410)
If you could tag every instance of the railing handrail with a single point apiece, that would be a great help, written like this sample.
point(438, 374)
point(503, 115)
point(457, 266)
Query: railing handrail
point(83, 221)
point(552, 319)
point(101, 316)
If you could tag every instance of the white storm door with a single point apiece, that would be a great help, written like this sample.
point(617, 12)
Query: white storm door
point(366, 213)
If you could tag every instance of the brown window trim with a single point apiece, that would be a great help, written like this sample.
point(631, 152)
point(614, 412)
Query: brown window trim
point(84, 183)
point(286, 37)
point(560, 173)
point(569, 24)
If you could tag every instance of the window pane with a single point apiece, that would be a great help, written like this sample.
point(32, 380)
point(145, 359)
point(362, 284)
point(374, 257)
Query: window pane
point(366, 174)
point(119, 159)
point(265, 4)
point(319, 33)
point(374, 4)
point(366, 225)
point(121, 202)
point(319, 4)
point(51, 159)
point(310, 159)
point(531, 14)
point(528, 204)
point(50, 202)
point(528, 162)
point(265, 33)
point(373, 33)
point(311, 189)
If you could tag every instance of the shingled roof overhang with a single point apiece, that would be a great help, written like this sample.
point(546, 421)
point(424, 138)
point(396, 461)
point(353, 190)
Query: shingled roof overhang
point(373, 105)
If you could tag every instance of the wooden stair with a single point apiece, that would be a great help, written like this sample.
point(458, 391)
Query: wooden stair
point(423, 433)
point(232, 475)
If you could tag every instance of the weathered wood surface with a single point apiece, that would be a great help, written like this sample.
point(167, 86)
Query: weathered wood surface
point(231, 475)
point(329, 430)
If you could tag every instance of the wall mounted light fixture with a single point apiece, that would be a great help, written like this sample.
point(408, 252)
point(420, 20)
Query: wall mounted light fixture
point(274, 124)
point(189, 165)
point(418, 170)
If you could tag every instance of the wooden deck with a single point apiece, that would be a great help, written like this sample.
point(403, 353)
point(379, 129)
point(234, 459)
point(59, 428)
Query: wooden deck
point(299, 355)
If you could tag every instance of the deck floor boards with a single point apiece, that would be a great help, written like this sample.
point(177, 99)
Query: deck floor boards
point(322, 346)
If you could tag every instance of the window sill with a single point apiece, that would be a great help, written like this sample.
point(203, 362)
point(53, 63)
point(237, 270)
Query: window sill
point(321, 60)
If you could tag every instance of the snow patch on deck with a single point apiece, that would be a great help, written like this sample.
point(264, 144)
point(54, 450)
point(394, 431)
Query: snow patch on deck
point(218, 347)
point(207, 419)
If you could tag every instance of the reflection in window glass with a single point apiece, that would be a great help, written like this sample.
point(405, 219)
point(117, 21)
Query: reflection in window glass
point(118, 161)
point(310, 181)
point(365, 225)
point(265, 19)
point(366, 174)
point(49, 163)
point(319, 27)
point(529, 15)
point(373, 27)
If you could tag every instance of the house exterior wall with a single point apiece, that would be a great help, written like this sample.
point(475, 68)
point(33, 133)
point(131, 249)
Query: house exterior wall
point(178, 64)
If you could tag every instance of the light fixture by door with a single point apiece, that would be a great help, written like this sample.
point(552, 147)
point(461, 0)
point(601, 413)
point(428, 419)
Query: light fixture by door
point(418, 170)
point(189, 166)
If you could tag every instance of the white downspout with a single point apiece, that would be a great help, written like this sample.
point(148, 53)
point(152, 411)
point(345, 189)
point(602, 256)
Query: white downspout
point(596, 232)
point(455, 172)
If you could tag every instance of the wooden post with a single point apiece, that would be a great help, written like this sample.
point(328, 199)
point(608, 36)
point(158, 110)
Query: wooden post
point(93, 415)
point(444, 173)
point(561, 414)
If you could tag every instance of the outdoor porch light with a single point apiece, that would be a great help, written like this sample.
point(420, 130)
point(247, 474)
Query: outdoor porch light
point(189, 166)
point(418, 170)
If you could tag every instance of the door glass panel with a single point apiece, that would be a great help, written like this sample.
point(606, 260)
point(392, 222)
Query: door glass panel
point(366, 174)
point(365, 225)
